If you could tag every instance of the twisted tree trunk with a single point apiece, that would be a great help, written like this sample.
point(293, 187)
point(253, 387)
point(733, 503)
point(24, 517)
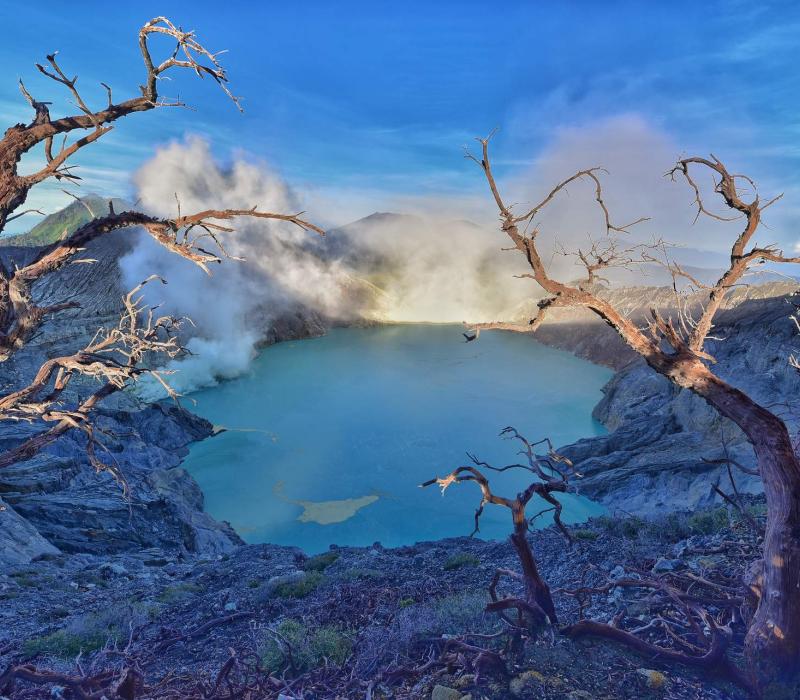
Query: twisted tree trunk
point(537, 592)
point(773, 640)
point(772, 645)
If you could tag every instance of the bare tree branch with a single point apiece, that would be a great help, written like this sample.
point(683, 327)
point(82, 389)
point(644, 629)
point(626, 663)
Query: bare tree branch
point(551, 474)
point(113, 357)
point(188, 53)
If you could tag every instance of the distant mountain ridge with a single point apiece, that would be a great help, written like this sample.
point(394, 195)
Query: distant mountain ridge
point(56, 226)
point(347, 242)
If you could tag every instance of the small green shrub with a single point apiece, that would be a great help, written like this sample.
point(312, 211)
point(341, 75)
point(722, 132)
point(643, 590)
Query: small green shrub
point(629, 527)
point(90, 632)
point(405, 602)
point(709, 522)
point(301, 588)
point(606, 522)
point(588, 535)
point(253, 583)
point(58, 613)
point(457, 613)
point(460, 560)
point(24, 579)
point(63, 644)
point(320, 562)
point(671, 528)
point(178, 592)
point(298, 648)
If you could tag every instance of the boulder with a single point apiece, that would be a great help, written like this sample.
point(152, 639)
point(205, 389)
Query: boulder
point(443, 692)
point(20, 542)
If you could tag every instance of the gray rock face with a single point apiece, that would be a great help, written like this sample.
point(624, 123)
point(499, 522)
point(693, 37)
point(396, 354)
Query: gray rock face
point(78, 510)
point(19, 540)
point(653, 458)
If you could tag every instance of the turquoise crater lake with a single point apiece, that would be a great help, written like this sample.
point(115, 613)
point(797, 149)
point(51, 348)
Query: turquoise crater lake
point(327, 439)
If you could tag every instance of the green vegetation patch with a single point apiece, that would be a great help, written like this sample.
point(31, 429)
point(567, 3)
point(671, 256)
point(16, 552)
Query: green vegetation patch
point(90, 632)
point(460, 560)
point(671, 527)
point(24, 579)
point(297, 647)
point(321, 561)
point(622, 527)
point(64, 644)
point(709, 522)
point(299, 589)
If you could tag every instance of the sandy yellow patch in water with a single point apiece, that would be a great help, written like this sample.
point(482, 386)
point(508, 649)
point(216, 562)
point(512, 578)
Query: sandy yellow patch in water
point(326, 512)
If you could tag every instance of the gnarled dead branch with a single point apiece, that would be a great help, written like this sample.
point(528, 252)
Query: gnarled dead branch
point(114, 357)
point(680, 630)
point(551, 473)
point(188, 53)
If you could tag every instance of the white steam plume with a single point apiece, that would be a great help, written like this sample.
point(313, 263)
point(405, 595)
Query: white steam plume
point(434, 270)
point(231, 309)
point(636, 156)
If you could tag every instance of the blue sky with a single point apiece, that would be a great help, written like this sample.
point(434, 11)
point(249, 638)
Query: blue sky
point(364, 103)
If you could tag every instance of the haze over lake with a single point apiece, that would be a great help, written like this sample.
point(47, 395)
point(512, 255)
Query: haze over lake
point(327, 439)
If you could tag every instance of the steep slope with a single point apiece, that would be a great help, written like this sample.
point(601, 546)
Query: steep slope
point(57, 493)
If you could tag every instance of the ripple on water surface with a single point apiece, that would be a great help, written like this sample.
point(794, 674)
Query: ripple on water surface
point(327, 439)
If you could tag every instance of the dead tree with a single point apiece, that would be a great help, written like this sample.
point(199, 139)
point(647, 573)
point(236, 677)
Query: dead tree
point(680, 630)
point(551, 475)
point(676, 350)
point(114, 356)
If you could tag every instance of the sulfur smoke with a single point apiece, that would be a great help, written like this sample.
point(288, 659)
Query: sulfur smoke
point(229, 310)
point(414, 267)
point(385, 267)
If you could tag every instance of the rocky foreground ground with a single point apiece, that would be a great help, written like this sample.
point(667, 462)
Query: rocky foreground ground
point(369, 622)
